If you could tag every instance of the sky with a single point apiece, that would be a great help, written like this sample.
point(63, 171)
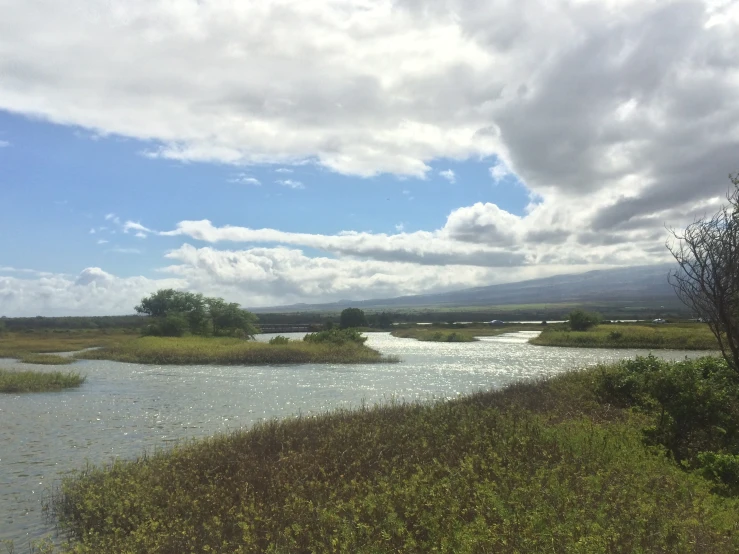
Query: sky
point(276, 152)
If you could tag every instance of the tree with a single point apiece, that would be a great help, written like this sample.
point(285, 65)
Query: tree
point(352, 317)
point(199, 314)
point(582, 321)
point(707, 277)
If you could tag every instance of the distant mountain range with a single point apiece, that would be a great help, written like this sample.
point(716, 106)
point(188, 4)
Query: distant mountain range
point(641, 285)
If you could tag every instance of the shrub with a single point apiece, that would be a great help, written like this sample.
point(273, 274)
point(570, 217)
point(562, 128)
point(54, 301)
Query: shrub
point(582, 321)
point(279, 339)
point(174, 325)
point(352, 317)
point(336, 336)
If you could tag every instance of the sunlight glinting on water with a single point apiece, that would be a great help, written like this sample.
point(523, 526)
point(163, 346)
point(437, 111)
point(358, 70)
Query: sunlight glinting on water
point(124, 409)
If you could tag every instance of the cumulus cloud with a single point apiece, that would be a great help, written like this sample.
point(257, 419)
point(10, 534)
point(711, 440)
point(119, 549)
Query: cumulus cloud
point(4, 144)
point(618, 116)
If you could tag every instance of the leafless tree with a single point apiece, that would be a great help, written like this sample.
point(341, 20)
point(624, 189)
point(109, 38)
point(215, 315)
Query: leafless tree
point(707, 277)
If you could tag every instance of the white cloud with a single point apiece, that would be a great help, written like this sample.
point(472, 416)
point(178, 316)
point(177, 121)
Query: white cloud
point(4, 144)
point(92, 231)
point(290, 183)
point(102, 241)
point(140, 235)
point(119, 250)
point(400, 227)
point(283, 170)
point(499, 171)
point(92, 292)
point(135, 226)
point(244, 179)
point(112, 217)
point(448, 174)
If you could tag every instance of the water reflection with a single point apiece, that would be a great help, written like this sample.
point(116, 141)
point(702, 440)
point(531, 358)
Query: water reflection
point(123, 409)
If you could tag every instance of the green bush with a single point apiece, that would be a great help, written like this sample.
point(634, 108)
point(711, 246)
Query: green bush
point(336, 336)
point(279, 339)
point(695, 408)
point(173, 325)
point(582, 321)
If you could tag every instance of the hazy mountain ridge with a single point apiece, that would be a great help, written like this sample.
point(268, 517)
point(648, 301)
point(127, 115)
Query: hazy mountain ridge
point(637, 284)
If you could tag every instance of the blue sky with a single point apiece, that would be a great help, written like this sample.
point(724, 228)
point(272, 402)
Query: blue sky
point(288, 152)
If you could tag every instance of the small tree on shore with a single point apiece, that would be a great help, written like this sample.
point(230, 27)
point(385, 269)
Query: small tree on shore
point(707, 277)
point(582, 321)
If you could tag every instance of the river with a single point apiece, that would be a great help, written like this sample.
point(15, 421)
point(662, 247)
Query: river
point(123, 409)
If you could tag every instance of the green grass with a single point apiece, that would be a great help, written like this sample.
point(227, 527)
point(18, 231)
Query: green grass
point(231, 351)
point(682, 336)
point(46, 359)
point(537, 467)
point(16, 345)
point(37, 381)
point(458, 333)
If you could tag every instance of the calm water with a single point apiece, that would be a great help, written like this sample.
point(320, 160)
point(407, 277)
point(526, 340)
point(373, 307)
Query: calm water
point(123, 409)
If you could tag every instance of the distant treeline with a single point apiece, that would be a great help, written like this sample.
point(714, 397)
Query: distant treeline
point(93, 322)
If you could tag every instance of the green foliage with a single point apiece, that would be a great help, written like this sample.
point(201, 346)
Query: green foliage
point(352, 317)
point(170, 325)
point(16, 345)
point(695, 404)
point(201, 315)
point(46, 359)
point(37, 381)
point(279, 339)
point(538, 467)
point(688, 336)
point(232, 351)
point(461, 333)
point(336, 336)
point(581, 320)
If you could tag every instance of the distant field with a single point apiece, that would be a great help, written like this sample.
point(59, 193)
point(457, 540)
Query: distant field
point(680, 336)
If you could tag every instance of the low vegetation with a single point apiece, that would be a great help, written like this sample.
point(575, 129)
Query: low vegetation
point(458, 332)
point(45, 359)
point(232, 351)
point(17, 345)
point(574, 464)
point(681, 336)
point(37, 381)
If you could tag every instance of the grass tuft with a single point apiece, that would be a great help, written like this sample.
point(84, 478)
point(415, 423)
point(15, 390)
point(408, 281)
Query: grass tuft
point(37, 381)
point(46, 359)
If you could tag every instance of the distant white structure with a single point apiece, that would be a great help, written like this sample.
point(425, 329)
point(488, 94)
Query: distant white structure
point(658, 321)
point(496, 322)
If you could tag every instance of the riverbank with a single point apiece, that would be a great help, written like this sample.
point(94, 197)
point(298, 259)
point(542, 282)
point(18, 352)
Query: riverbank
point(232, 351)
point(37, 381)
point(558, 464)
point(459, 333)
point(679, 336)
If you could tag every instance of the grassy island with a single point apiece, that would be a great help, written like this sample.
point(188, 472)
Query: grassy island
point(573, 464)
point(233, 351)
point(458, 332)
point(26, 344)
point(680, 336)
point(37, 381)
point(45, 359)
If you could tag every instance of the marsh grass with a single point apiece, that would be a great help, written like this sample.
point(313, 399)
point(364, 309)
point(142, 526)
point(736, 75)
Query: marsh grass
point(46, 359)
point(536, 467)
point(15, 345)
point(231, 351)
point(458, 333)
point(37, 381)
point(688, 336)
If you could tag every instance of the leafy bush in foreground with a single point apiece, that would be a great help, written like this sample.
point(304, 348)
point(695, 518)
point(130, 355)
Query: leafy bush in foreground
point(695, 404)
